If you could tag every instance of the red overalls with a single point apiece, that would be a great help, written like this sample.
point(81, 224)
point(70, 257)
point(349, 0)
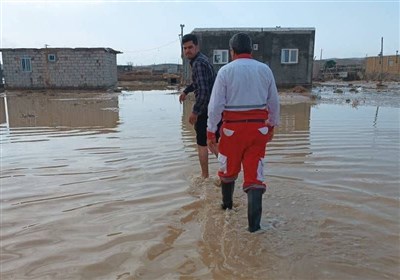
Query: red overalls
point(243, 141)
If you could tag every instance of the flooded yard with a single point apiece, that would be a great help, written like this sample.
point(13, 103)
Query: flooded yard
point(106, 186)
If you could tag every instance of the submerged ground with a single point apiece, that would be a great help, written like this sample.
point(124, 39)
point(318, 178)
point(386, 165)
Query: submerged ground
point(105, 186)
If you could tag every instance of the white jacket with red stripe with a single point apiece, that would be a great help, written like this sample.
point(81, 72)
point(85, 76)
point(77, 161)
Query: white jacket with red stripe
point(243, 85)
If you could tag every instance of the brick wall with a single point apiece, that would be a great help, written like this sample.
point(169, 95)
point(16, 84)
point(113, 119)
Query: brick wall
point(72, 68)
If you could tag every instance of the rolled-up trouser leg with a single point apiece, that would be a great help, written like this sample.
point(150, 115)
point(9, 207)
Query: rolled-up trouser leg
point(254, 208)
point(227, 194)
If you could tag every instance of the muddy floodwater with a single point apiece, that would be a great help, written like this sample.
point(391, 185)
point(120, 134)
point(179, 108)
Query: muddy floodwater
point(106, 186)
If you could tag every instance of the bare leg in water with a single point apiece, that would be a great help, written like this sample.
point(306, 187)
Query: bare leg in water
point(203, 158)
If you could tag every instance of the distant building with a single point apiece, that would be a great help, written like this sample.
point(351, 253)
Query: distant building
point(124, 68)
point(289, 52)
point(365, 68)
point(159, 69)
point(386, 67)
point(168, 72)
point(347, 69)
point(59, 68)
point(1, 76)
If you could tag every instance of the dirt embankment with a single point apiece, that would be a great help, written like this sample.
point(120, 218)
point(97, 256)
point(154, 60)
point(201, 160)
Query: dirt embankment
point(297, 94)
point(287, 96)
point(143, 85)
point(146, 80)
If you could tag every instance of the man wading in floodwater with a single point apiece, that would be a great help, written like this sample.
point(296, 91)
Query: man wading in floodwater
point(203, 77)
point(246, 94)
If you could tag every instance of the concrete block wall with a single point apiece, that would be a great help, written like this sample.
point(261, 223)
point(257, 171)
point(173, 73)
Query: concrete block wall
point(270, 42)
point(86, 68)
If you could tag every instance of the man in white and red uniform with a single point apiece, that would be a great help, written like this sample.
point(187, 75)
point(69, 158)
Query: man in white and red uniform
point(246, 94)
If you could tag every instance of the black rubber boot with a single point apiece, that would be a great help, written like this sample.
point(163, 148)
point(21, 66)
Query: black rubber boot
point(227, 194)
point(254, 208)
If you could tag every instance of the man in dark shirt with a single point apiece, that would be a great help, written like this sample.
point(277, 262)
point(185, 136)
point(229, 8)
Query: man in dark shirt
point(203, 77)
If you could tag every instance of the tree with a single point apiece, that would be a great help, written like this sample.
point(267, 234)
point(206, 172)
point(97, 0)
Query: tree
point(330, 64)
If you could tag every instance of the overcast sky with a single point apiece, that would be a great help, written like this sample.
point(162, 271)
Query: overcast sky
point(147, 31)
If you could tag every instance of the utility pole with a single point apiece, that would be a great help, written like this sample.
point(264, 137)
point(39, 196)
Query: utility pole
point(184, 66)
point(381, 63)
point(320, 56)
point(181, 36)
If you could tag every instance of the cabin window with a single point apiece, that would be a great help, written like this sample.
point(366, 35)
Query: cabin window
point(289, 56)
point(255, 47)
point(26, 64)
point(51, 57)
point(221, 57)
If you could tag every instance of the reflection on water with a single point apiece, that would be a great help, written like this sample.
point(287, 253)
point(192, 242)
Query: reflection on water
point(79, 202)
point(74, 110)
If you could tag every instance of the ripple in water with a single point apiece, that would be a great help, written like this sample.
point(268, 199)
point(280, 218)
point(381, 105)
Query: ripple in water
point(105, 187)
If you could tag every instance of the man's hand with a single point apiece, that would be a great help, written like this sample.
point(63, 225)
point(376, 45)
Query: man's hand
point(270, 133)
point(192, 118)
point(213, 146)
point(182, 97)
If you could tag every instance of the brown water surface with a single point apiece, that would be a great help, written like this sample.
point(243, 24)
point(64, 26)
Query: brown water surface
point(105, 186)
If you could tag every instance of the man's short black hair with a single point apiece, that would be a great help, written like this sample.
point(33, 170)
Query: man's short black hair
point(241, 43)
point(190, 37)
